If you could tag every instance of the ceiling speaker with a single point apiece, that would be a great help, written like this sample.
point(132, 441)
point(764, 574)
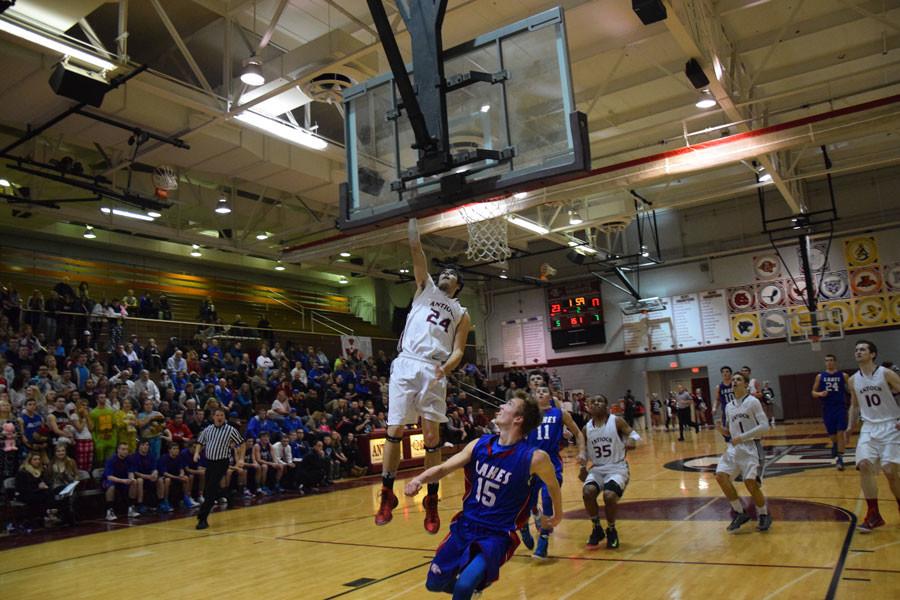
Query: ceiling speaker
point(649, 11)
point(78, 84)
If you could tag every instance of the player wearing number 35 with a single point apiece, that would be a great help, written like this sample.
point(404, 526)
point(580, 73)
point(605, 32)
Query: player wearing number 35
point(431, 346)
point(872, 390)
point(499, 470)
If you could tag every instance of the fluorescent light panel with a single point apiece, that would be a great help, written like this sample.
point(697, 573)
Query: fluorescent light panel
point(526, 224)
point(55, 45)
point(295, 135)
point(126, 213)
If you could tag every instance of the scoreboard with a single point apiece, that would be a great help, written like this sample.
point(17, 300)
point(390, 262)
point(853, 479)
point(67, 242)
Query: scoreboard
point(576, 314)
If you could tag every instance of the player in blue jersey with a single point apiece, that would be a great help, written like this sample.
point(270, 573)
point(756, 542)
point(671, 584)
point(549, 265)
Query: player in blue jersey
point(547, 436)
point(498, 470)
point(724, 395)
point(831, 388)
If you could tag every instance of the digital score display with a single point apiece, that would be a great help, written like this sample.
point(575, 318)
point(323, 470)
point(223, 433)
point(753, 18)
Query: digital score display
point(576, 311)
point(576, 314)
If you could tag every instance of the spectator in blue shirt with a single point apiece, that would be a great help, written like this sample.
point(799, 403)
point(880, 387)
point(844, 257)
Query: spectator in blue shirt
point(260, 423)
point(194, 469)
point(225, 395)
point(143, 465)
point(118, 483)
point(171, 472)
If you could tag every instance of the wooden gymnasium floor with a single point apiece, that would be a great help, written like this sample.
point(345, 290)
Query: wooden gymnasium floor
point(672, 527)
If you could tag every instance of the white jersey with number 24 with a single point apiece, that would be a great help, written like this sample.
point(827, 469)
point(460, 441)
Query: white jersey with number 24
point(431, 324)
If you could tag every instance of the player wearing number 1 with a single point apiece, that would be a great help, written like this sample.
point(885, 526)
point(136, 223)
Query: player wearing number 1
point(499, 471)
point(431, 346)
point(872, 390)
point(831, 387)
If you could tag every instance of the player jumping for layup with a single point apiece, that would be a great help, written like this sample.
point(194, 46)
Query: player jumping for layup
point(745, 455)
point(431, 346)
point(872, 390)
point(831, 387)
point(608, 437)
point(499, 470)
point(547, 436)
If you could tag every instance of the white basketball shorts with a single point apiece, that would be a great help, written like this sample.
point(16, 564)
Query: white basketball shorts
point(414, 390)
point(746, 459)
point(879, 442)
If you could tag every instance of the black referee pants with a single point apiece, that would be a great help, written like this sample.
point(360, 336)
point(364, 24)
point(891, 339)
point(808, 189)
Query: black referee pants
point(685, 422)
point(215, 470)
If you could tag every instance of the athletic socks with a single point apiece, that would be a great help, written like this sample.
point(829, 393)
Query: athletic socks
point(545, 533)
point(834, 451)
point(596, 520)
point(432, 489)
point(387, 480)
point(763, 510)
point(737, 506)
point(872, 503)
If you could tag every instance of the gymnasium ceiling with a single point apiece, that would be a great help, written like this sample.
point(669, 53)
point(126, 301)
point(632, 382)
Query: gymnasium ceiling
point(779, 63)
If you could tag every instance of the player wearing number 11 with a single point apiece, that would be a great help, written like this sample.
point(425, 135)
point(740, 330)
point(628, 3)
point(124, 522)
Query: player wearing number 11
point(872, 390)
point(498, 470)
point(431, 346)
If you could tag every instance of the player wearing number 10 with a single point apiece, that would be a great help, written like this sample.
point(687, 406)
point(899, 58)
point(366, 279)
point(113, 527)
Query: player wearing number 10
point(499, 470)
point(431, 346)
point(872, 390)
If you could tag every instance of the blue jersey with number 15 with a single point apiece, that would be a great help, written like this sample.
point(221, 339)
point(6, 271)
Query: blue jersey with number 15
point(548, 435)
point(498, 484)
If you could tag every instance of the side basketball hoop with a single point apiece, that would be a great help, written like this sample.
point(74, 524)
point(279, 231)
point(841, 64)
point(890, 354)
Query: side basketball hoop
point(165, 181)
point(488, 231)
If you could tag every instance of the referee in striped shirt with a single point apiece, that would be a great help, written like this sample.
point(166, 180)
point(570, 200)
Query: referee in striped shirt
point(218, 440)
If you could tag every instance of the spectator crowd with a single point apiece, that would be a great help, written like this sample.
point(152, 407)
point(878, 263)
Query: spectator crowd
point(123, 415)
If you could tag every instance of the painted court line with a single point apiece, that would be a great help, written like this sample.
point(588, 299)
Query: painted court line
point(665, 532)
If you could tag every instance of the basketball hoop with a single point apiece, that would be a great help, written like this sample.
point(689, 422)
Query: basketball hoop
point(488, 231)
point(815, 343)
point(165, 181)
point(547, 271)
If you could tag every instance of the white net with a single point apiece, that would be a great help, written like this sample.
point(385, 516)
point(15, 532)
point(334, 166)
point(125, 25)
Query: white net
point(164, 178)
point(488, 231)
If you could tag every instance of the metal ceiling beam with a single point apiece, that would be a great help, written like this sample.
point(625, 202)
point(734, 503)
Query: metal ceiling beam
point(706, 53)
point(267, 36)
point(182, 47)
point(94, 39)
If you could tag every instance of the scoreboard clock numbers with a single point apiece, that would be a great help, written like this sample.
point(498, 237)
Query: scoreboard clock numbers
point(575, 313)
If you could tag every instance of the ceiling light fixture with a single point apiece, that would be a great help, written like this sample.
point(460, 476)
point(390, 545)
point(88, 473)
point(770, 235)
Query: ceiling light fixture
point(765, 177)
point(706, 100)
point(346, 254)
point(343, 280)
point(42, 39)
point(527, 224)
point(262, 236)
point(154, 214)
point(222, 206)
point(503, 275)
point(126, 213)
point(575, 218)
point(485, 108)
point(195, 250)
point(295, 135)
point(89, 232)
point(252, 74)
point(279, 266)
point(520, 195)
point(404, 271)
point(5, 183)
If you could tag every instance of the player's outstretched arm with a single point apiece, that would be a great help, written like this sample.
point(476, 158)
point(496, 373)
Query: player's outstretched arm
point(543, 468)
point(420, 264)
point(815, 388)
point(435, 474)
